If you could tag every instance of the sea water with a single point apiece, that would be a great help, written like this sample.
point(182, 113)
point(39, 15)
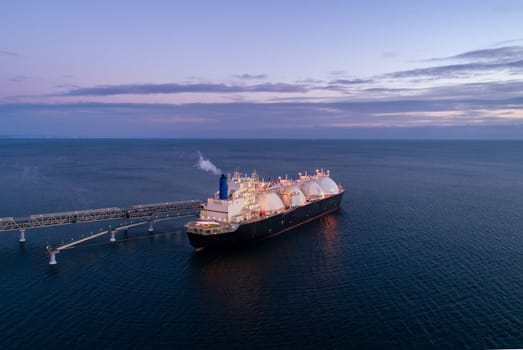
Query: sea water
point(426, 251)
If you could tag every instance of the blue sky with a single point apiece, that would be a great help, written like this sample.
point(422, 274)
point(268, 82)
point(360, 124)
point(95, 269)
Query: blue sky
point(355, 69)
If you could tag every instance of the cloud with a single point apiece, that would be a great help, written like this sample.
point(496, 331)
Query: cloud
point(9, 53)
point(335, 104)
point(498, 118)
point(338, 85)
point(174, 119)
point(500, 54)
point(350, 81)
point(463, 100)
point(488, 91)
point(18, 78)
point(505, 42)
point(309, 81)
point(338, 72)
point(506, 59)
point(439, 114)
point(174, 88)
point(460, 70)
point(251, 76)
point(67, 86)
point(388, 54)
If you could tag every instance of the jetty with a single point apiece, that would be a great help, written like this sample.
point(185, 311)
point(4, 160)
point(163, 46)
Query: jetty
point(144, 213)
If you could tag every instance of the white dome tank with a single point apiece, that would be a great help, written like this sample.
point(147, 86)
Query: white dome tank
point(270, 201)
point(293, 197)
point(328, 185)
point(311, 189)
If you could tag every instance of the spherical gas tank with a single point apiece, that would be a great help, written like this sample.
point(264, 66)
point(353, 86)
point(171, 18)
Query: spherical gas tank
point(328, 185)
point(300, 197)
point(270, 201)
point(312, 189)
point(293, 197)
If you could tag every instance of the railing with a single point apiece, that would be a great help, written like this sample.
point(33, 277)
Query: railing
point(71, 217)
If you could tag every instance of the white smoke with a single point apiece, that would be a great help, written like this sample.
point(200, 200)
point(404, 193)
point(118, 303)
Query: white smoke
point(207, 165)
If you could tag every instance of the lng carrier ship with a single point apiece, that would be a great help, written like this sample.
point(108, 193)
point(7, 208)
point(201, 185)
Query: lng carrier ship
point(246, 208)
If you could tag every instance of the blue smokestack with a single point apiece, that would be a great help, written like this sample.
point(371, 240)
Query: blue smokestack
point(223, 187)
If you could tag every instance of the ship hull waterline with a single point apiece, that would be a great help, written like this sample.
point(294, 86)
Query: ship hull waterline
point(268, 227)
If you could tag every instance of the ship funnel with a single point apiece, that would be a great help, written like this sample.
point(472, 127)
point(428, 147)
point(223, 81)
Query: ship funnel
point(223, 187)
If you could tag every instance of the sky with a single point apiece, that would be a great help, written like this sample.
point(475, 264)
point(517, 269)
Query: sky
point(262, 69)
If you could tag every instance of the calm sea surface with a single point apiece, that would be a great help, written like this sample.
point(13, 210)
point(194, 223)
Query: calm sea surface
point(426, 252)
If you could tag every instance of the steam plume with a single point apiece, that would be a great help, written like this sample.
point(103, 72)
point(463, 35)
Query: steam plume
point(207, 165)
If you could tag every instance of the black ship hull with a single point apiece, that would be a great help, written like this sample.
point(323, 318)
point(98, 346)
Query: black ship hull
point(270, 226)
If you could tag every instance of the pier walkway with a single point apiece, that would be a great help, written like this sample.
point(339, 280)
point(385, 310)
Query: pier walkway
point(71, 217)
point(144, 213)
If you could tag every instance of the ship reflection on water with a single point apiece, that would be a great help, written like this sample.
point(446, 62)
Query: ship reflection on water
point(248, 281)
point(229, 280)
point(329, 233)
